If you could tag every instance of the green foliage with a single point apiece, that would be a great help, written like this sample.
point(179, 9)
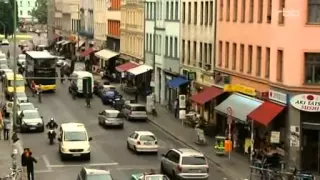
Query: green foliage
point(7, 18)
point(40, 12)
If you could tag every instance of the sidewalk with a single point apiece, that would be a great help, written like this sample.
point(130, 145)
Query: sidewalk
point(237, 167)
point(5, 157)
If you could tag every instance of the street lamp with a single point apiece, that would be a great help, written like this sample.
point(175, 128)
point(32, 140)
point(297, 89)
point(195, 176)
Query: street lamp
point(4, 28)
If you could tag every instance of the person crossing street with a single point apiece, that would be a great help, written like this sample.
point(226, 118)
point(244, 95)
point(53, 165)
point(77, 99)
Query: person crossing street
point(6, 126)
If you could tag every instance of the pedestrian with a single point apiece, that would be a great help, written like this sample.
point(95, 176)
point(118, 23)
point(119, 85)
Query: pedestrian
point(24, 163)
point(61, 76)
point(33, 87)
point(39, 93)
point(1, 125)
point(7, 127)
point(176, 108)
point(30, 165)
point(88, 103)
point(8, 54)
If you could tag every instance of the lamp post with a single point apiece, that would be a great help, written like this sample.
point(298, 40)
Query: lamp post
point(4, 28)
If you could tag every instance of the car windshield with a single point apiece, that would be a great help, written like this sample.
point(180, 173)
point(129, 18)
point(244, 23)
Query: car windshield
point(99, 177)
point(21, 94)
point(75, 136)
point(18, 83)
point(109, 93)
point(24, 107)
point(138, 108)
point(194, 160)
point(147, 138)
point(31, 115)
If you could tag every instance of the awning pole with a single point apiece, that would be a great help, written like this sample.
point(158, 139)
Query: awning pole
point(252, 143)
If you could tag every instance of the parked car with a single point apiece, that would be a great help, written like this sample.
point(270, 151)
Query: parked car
point(107, 96)
point(22, 97)
point(25, 106)
point(102, 88)
point(31, 121)
point(135, 112)
point(111, 118)
point(146, 176)
point(184, 163)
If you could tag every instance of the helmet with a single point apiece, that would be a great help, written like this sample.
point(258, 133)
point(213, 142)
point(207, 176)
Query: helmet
point(51, 119)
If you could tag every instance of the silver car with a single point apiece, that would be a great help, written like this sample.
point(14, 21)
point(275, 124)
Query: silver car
point(25, 106)
point(31, 121)
point(185, 163)
point(22, 97)
point(110, 118)
point(135, 112)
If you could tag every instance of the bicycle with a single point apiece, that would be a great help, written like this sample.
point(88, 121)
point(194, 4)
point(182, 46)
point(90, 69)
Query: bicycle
point(15, 174)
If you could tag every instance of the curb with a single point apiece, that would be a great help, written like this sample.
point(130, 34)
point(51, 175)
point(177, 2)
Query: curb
point(224, 170)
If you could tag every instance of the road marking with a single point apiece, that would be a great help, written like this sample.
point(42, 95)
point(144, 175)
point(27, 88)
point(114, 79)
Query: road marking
point(46, 162)
point(81, 165)
point(136, 168)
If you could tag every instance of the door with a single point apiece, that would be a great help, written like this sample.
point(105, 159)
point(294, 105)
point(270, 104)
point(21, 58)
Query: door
point(310, 153)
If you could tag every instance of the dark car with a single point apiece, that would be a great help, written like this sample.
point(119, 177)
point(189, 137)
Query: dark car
point(108, 96)
point(102, 88)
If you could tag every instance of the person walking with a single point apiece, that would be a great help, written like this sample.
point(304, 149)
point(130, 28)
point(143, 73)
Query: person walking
point(1, 125)
point(33, 87)
point(24, 163)
point(176, 108)
point(6, 127)
point(30, 165)
point(61, 76)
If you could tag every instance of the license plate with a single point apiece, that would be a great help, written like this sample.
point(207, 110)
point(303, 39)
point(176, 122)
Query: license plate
point(147, 143)
point(32, 128)
point(76, 155)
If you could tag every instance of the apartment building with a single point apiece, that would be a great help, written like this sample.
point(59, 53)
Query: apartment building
point(58, 16)
point(87, 20)
point(271, 47)
point(113, 18)
point(25, 8)
point(99, 13)
point(132, 30)
point(162, 45)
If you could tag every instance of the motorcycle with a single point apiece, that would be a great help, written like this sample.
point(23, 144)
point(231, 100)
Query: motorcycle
point(51, 136)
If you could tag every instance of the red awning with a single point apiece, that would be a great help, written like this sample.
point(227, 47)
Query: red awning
point(126, 66)
point(265, 113)
point(87, 52)
point(206, 95)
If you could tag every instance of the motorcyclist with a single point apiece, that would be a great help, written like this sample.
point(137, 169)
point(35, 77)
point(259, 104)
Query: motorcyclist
point(51, 124)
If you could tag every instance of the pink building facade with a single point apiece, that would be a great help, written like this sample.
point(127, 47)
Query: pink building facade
point(273, 47)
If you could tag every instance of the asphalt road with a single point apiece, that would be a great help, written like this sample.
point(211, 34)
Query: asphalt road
point(108, 147)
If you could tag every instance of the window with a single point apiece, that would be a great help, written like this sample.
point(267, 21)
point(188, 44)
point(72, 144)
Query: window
point(183, 12)
point(171, 8)
point(20, 3)
point(269, 11)
point(115, 4)
point(249, 59)
point(21, 13)
point(260, 11)
point(234, 56)
point(171, 47)
point(243, 11)
point(258, 63)
point(201, 54)
point(195, 50)
point(176, 11)
point(189, 13)
point(221, 11)
point(210, 54)
point(75, 136)
point(251, 11)
point(201, 14)
point(281, 13)
point(183, 51)
point(195, 13)
point(176, 47)
point(313, 11)
point(167, 10)
point(267, 63)
point(241, 57)
point(226, 65)
point(220, 53)
point(166, 50)
point(279, 65)
point(194, 160)
point(228, 11)
point(312, 68)
point(211, 13)
point(235, 10)
point(188, 53)
point(206, 11)
point(205, 53)
point(29, 13)
point(28, 3)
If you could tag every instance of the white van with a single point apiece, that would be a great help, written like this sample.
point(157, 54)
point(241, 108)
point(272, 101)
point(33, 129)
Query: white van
point(74, 141)
point(77, 78)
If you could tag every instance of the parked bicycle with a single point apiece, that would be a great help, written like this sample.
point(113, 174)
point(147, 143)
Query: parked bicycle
point(15, 174)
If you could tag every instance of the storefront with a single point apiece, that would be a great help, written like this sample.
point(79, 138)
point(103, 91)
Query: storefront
point(169, 97)
point(177, 86)
point(306, 110)
point(140, 78)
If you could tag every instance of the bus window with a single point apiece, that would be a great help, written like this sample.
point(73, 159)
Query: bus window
point(45, 63)
point(18, 83)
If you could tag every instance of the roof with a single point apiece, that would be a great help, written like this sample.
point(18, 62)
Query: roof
point(73, 126)
point(144, 132)
point(95, 171)
point(111, 111)
point(40, 54)
point(30, 111)
point(82, 73)
point(189, 152)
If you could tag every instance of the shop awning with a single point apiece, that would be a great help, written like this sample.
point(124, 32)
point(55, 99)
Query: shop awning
point(177, 82)
point(206, 95)
point(126, 66)
point(79, 44)
point(65, 43)
point(265, 113)
point(60, 42)
point(140, 69)
point(106, 54)
point(240, 105)
point(87, 52)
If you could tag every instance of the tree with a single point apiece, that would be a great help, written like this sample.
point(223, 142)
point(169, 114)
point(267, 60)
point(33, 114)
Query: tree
point(7, 17)
point(40, 12)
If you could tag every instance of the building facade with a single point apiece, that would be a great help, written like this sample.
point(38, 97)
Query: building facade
point(58, 16)
point(113, 18)
point(25, 8)
point(132, 30)
point(272, 46)
point(162, 44)
point(99, 14)
point(86, 31)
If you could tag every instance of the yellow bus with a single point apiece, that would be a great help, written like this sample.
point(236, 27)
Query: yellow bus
point(8, 84)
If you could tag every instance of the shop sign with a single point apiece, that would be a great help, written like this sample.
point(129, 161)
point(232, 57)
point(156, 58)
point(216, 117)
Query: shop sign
point(306, 102)
point(278, 96)
point(240, 88)
point(275, 137)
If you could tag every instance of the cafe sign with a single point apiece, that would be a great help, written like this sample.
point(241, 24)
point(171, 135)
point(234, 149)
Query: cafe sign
point(306, 102)
point(277, 96)
point(240, 88)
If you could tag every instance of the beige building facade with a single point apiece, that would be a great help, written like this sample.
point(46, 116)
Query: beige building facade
point(132, 29)
point(99, 14)
point(67, 18)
